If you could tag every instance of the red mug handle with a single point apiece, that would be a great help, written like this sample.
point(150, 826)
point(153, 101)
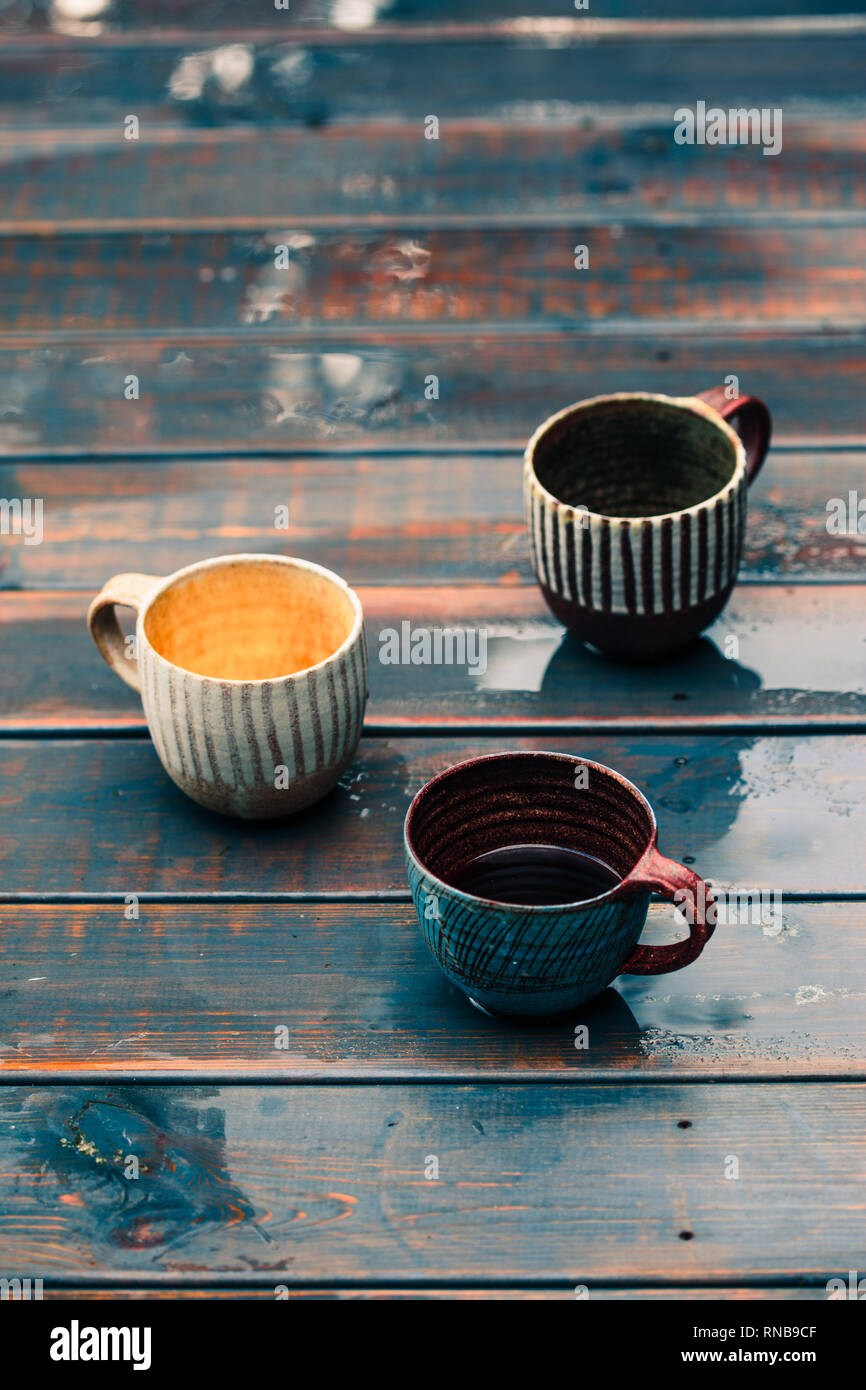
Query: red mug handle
point(679, 885)
point(750, 418)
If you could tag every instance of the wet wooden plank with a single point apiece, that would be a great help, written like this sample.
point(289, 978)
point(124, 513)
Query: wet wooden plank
point(339, 390)
point(310, 1185)
point(778, 656)
point(43, 18)
point(501, 78)
point(614, 170)
point(200, 992)
point(100, 816)
point(238, 283)
point(118, 1293)
point(376, 518)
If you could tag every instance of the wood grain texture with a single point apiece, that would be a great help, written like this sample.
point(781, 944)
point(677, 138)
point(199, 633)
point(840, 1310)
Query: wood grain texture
point(339, 390)
point(232, 282)
point(100, 816)
point(500, 78)
point(377, 519)
point(199, 992)
point(607, 170)
point(118, 1293)
point(309, 1184)
point(780, 656)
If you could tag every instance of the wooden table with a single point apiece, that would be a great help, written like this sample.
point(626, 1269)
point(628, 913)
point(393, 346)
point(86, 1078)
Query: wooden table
point(155, 1035)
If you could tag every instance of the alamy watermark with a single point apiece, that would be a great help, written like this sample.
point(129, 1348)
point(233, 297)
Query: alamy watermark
point(757, 907)
point(846, 516)
point(855, 1288)
point(22, 516)
point(20, 1290)
point(77, 1343)
point(434, 646)
point(739, 126)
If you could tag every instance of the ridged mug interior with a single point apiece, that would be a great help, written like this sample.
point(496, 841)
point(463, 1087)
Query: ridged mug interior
point(633, 457)
point(527, 798)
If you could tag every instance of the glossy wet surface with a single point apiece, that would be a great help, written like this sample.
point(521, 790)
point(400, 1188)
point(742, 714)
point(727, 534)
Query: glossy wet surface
point(279, 317)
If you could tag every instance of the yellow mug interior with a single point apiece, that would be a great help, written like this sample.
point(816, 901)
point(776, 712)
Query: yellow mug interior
point(249, 621)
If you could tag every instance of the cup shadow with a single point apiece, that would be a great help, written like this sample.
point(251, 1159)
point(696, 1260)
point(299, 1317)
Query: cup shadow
point(699, 673)
point(611, 1024)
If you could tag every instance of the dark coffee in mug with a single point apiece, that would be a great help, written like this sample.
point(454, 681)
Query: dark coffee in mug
point(535, 875)
point(531, 873)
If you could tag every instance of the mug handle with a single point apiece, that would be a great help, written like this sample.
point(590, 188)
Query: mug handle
point(129, 590)
point(669, 878)
point(750, 418)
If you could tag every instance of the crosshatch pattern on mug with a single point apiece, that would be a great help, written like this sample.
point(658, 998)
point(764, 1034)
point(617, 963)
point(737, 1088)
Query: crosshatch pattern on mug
point(512, 942)
point(482, 961)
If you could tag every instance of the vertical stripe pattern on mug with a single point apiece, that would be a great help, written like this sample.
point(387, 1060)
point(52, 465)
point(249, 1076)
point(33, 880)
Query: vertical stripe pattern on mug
point(230, 741)
point(636, 565)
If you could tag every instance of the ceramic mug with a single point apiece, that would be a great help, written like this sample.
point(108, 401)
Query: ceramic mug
point(519, 959)
point(636, 512)
point(252, 671)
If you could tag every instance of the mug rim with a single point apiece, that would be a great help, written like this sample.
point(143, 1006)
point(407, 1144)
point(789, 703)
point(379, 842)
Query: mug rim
point(691, 403)
point(610, 893)
point(253, 557)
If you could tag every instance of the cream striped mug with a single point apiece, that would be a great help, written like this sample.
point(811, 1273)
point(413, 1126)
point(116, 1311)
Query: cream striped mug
point(252, 671)
point(636, 512)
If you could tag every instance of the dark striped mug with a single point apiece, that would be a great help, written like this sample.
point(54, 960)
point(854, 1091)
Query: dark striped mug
point(532, 958)
point(252, 670)
point(636, 512)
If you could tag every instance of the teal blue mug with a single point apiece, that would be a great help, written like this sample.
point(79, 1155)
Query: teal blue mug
point(531, 874)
